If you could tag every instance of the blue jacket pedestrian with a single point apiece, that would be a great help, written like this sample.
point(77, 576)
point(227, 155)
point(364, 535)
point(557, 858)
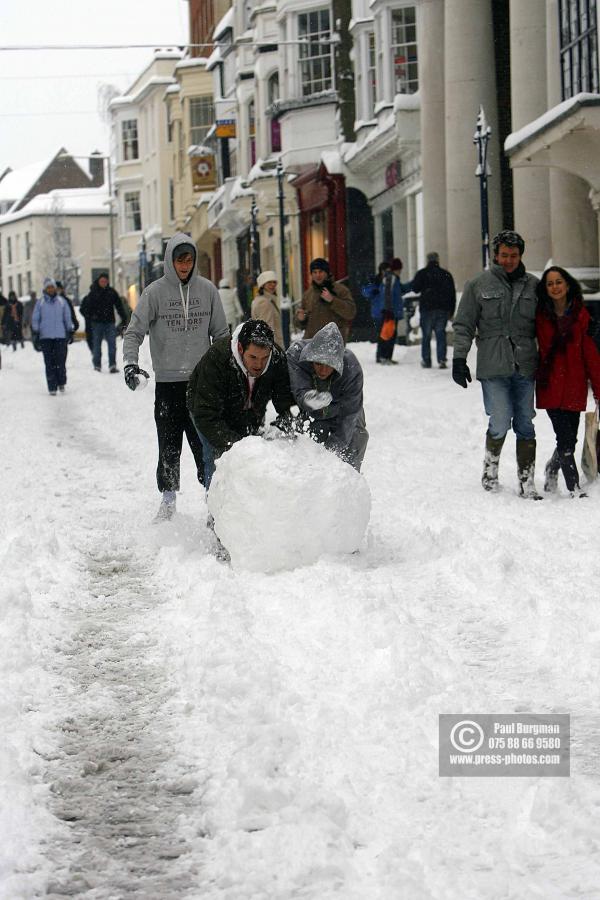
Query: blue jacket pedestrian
point(52, 327)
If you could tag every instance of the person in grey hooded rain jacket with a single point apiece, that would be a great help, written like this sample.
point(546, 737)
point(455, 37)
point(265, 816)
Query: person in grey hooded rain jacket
point(183, 313)
point(327, 384)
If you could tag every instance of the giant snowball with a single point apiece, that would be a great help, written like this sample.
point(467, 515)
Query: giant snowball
point(281, 504)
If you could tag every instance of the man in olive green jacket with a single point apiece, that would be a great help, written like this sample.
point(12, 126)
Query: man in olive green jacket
point(497, 310)
point(325, 301)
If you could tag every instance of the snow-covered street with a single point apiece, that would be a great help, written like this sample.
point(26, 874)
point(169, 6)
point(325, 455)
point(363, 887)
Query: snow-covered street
point(174, 728)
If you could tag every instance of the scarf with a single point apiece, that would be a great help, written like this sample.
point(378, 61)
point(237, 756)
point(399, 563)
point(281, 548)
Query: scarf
point(563, 335)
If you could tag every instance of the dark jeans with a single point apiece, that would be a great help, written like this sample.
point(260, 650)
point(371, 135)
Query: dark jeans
point(208, 451)
point(55, 358)
point(566, 425)
point(172, 422)
point(433, 320)
point(88, 335)
point(104, 331)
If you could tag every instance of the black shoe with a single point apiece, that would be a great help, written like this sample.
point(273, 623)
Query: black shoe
point(97, 368)
point(113, 369)
point(425, 365)
point(443, 365)
point(61, 388)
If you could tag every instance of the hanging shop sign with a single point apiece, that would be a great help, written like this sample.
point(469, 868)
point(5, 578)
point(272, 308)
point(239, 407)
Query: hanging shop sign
point(225, 118)
point(204, 172)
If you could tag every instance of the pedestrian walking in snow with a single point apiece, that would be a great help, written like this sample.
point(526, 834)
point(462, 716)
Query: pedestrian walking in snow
point(266, 304)
point(231, 305)
point(387, 308)
point(12, 321)
point(436, 306)
point(84, 310)
point(61, 293)
point(101, 304)
point(325, 301)
point(52, 330)
point(28, 308)
point(497, 309)
point(569, 359)
point(327, 384)
point(182, 312)
point(231, 386)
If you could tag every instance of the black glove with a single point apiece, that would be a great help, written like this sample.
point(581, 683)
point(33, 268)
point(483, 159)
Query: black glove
point(70, 339)
point(35, 340)
point(131, 376)
point(460, 372)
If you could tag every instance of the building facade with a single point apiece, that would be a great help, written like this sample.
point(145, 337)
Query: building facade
point(49, 229)
point(143, 180)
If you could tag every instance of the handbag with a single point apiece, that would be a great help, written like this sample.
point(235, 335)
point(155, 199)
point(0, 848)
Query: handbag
point(590, 455)
point(388, 330)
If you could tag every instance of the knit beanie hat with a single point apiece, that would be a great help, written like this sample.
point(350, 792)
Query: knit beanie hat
point(49, 282)
point(182, 249)
point(264, 278)
point(320, 263)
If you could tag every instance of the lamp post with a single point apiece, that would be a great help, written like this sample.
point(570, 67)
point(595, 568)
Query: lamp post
point(481, 137)
point(254, 245)
point(281, 198)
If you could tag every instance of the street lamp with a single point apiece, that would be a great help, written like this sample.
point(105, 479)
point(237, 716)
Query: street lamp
point(254, 245)
point(481, 137)
point(281, 198)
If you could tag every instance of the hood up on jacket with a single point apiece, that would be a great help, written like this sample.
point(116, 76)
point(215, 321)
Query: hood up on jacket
point(175, 241)
point(326, 348)
point(235, 350)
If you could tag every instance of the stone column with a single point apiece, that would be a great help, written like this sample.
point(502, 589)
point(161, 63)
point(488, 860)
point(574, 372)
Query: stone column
point(433, 142)
point(470, 83)
point(531, 185)
point(574, 226)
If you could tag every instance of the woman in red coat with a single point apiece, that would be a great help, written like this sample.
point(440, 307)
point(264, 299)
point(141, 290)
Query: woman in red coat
point(569, 359)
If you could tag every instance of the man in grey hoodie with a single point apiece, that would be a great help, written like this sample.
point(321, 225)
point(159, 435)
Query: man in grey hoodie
point(327, 384)
point(182, 312)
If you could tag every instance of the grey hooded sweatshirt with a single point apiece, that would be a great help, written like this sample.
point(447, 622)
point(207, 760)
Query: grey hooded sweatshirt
point(181, 319)
point(339, 418)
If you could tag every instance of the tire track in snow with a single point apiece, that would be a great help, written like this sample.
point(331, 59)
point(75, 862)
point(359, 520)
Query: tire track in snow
point(109, 780)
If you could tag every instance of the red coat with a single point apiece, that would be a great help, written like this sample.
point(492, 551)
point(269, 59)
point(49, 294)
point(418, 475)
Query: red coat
point(571, 367)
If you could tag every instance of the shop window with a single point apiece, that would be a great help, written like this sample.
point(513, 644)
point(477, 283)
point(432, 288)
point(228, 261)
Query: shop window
point(272, 98)
point(387, 233)
point(578, 47)
point(371, 74)
point(315, 53)
point(202, 117)
point(252, 133)
point(404, 50)
point(129, 140)
point(133, 214)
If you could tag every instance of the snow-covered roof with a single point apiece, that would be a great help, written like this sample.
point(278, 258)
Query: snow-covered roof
point(15, 185)
point(225, 23)
point(126, 99)
point(551, 117)
point(193, 62)
point(67, 202)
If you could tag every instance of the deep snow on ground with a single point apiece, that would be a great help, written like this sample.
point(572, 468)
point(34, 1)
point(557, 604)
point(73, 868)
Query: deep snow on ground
point(175, 728)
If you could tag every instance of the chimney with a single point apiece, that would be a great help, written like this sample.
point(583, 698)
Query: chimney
point(97, 168)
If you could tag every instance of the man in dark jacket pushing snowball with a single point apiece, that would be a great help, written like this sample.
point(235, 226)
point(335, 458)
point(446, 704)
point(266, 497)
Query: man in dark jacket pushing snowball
point(327, 384)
